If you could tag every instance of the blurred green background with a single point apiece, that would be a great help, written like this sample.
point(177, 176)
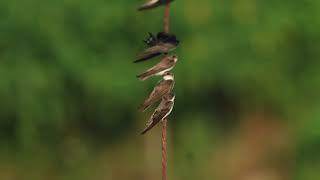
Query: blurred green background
point(247, 85)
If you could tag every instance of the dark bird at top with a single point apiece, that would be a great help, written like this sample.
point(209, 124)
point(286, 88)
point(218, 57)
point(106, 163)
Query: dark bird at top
point(157, 45)
point(150, 4)
point(152, 40)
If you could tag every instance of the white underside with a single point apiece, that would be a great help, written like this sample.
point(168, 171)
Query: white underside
point(167, 77)
point(162, 72)
point(167, 113)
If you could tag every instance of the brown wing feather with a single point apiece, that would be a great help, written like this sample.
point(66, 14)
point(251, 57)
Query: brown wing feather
point(149, 5)
point(150, 53)
point(161, 114)
point(147, 74)
point(163, 88)
point(157, 116)
point(161, 66)
point(155, 51)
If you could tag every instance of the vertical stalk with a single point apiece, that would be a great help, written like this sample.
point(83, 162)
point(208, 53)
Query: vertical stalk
point(164, 122)
point(164, 149)
point(166, 17)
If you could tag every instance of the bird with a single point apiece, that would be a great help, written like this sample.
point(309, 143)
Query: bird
point(165, 65)
point(162, 44)
point(161, 112)
point(161, 37)
point(163, 87)
point(150, 4)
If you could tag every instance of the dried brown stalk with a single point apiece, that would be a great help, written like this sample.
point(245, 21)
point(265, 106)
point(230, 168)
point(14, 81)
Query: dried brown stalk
point(164, 149)
point(164, 122)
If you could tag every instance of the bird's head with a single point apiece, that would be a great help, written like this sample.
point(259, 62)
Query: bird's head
point(174, 58)
point(151, 40)
point(168, 76)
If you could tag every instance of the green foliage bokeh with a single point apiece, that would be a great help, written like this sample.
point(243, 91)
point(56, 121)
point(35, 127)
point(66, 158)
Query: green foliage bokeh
point(66, 71)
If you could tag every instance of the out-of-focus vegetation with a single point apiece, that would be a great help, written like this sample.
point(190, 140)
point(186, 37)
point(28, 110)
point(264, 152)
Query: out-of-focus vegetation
point(247, 85)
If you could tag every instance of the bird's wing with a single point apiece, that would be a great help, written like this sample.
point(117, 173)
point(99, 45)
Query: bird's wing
point(153, 3)
point(150, 72)
point(163, 112)
point(161, 66)
point(159, 114)
point(149, 53)
point(150, 4)
point(161, 89)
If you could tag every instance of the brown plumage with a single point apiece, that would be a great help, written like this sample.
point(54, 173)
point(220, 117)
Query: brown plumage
point(163, 87)
point(166, 64)
point(153, 4)
point(156, 50)
point(161, 112)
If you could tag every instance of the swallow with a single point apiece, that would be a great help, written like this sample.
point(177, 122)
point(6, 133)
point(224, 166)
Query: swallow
point(161, 112)
point(165, 65)
point(162, 44)
point(153, 4)
point(163, 37)
point(163, 87)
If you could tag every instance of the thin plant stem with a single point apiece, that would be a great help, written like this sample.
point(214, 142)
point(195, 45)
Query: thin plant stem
point(166, 17)
point(164, 149)
point(164, 122)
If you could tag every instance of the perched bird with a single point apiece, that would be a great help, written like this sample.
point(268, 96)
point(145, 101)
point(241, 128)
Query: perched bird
point(165, 65)
point(163, 87)
point(161, 112)
point(161, 37)
point(153, 3)
point(162, 44)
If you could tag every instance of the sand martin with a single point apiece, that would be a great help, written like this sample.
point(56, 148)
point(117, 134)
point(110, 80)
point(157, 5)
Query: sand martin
point(162, 44)
point(163, 87)
point(165, 65)
point(153, 3)
point(161, 112)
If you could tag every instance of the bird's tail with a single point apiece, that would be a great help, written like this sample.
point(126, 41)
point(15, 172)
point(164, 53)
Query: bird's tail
point(144, 57)
point(148, 128)
point(144, 76)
